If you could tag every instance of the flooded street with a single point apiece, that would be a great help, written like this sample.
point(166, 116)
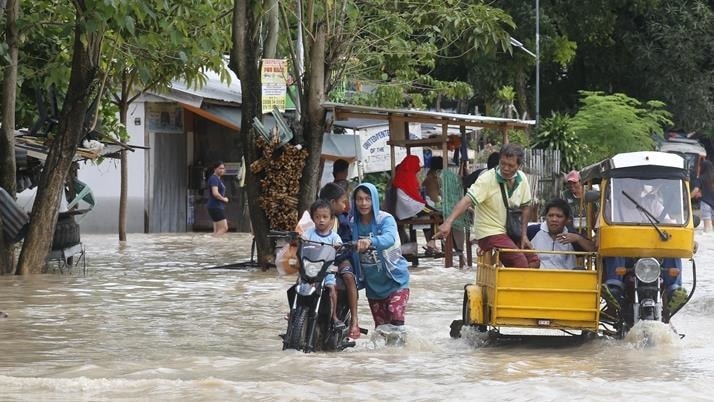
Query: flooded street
point(148, 322)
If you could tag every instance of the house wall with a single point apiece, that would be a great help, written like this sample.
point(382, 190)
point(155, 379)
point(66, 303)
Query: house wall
point(104, 179)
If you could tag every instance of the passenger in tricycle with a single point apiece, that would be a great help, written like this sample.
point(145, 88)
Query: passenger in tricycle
point(553, 235)
point(490, 212)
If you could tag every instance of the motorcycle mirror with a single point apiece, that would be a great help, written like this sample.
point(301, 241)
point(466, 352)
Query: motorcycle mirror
point(592, 196)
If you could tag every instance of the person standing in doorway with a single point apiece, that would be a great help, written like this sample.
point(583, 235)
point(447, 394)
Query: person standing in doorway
point(217, 199)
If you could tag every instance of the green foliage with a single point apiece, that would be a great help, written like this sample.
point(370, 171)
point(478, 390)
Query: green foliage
point(609, 124)
point(161, 41)
point(146, 45)
point(397, 44)
point(563, 50)
point(519, 137)
point(506, 94)
point(556, 132)
point(672, 61)
point(495, 137)
point(109, 122)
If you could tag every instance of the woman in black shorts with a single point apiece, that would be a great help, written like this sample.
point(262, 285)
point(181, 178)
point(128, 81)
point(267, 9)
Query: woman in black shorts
point(217, 199)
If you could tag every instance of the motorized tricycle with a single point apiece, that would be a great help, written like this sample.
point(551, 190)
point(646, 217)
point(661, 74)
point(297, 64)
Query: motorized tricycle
point(310, 325)
point(638, 213)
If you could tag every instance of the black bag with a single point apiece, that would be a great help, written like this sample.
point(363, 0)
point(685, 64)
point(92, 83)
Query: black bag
point(514, 219)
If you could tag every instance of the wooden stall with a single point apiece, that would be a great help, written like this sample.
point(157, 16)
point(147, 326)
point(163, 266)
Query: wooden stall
point(399, 119)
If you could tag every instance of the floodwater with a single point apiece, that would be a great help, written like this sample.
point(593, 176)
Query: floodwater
point(148, 322)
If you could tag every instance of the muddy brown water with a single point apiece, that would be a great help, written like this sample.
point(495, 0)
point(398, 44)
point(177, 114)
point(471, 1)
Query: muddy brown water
point(148, 322)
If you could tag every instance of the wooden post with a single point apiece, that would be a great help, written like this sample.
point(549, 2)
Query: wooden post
point(449, 244)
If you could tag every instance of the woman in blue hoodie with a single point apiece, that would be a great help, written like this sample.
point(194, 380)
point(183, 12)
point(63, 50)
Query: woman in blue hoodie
point(379, 264)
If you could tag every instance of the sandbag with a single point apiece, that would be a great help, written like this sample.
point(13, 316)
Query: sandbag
point(286, 257)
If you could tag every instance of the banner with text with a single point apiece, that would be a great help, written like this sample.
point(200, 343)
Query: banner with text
point(274, 76)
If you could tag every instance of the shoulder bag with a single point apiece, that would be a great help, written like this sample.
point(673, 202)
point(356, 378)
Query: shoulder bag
point(514, 218)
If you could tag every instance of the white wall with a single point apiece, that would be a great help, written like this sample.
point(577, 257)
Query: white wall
point(104, 179)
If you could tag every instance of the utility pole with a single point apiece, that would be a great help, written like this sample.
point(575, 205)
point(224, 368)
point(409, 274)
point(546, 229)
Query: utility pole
point(537, 57)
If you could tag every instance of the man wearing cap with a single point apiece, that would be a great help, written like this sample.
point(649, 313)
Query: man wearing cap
point(573, 195)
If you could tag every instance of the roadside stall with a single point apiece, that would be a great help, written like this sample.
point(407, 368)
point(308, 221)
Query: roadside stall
point(399, 120)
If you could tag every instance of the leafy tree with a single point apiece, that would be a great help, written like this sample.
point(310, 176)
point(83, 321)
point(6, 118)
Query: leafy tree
point(245, 57)
point(672, 59)
point(89, 27)
point(381, 42)
point(608, 124)
point(404, 42)
point(507, 96)
point(115, 48)
point(556, 132)
point(170, 41)
point(7, 135)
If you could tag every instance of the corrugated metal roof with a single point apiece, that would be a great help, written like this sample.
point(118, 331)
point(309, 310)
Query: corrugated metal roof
point(342, 111)
point(214, 90)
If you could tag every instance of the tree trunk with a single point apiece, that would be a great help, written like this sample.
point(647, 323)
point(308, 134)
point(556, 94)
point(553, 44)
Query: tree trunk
point(273, 22)
point(124, 186)
point(83, 85)
point(7, 138)
point(313, 119)
point(245, 62)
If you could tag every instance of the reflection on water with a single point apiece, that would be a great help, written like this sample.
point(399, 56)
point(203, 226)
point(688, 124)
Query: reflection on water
point(147, 321)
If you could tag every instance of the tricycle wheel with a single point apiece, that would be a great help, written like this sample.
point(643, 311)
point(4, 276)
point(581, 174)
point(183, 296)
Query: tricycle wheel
point(466, 309)
point(456, 326)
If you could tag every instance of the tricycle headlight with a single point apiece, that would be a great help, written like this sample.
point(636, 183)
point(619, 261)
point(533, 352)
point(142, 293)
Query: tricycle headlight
point(647, 270)
point(312, 268)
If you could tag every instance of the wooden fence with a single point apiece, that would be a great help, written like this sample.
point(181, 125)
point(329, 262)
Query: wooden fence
point(542, 167)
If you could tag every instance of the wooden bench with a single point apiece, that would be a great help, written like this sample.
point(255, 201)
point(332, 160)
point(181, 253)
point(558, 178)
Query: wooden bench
point(434, 221)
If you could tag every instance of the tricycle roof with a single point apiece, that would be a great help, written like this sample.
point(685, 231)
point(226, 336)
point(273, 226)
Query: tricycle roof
point(685, 146)
point(643, 164)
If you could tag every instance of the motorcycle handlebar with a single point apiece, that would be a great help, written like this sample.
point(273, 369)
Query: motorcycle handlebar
point(352, 245)
point(281, 233)
point(292, 235)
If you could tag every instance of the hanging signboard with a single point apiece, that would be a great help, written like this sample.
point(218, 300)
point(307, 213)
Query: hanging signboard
point(274, 76)
point(375, 153)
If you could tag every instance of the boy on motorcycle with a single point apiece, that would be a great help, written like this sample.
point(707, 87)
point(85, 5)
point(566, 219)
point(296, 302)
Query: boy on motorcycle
point(335, 195)
point(322, 216)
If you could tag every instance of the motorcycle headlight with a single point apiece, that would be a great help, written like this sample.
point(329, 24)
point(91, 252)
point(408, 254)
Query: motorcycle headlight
point(312, 268)
point(647, 270)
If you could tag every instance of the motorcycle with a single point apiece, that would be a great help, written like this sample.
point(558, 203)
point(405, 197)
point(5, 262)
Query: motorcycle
point(310, 325)
point(644, 297)
point(646, 227)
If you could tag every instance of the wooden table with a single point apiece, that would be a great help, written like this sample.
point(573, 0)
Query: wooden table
point(434, 221)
